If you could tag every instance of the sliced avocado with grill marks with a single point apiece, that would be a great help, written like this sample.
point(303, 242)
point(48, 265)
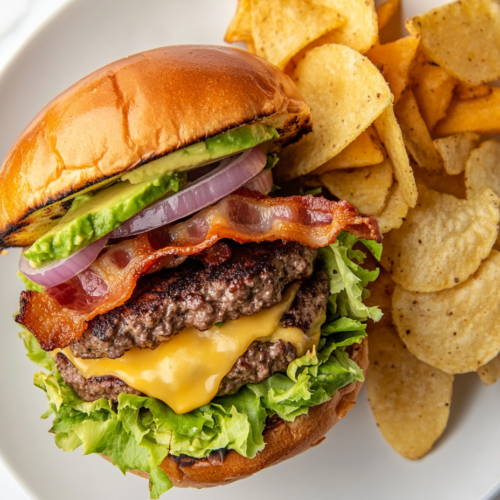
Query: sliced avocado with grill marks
point(94, 214)
point(196, 155)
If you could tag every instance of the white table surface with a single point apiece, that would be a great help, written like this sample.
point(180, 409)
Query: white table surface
point(19, 20)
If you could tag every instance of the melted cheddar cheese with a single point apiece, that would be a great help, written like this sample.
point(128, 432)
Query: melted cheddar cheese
point(186, 371)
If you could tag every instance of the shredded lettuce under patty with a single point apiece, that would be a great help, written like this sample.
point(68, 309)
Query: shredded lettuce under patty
point(138, 432)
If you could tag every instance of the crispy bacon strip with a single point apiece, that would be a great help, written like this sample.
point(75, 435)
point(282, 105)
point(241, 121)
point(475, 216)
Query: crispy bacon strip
point(59, 316)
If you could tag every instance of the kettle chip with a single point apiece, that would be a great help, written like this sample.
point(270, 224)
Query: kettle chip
point(456, 330)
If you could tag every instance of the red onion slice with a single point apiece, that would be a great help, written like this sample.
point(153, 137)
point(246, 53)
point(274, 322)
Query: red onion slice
point(230, 175)
point(203, 193)
point(262, 183)
point(62, 270)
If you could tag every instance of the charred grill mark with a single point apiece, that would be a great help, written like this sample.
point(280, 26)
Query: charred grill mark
point(215, 457)
point(302, 129)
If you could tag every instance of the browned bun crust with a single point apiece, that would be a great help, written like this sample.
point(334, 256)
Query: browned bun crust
point(132, 111)
point(284, 440)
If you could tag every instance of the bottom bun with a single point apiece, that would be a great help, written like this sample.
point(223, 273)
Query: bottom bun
point(284, 440)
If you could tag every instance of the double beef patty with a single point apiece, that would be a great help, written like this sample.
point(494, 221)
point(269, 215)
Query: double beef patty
point(260, 361)
point(256, 274)
point(197, 294)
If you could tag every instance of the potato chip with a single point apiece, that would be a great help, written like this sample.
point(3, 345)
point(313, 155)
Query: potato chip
point(463, 38)
point(433, 89)
point(394, 60)
point(386, 259)
point(455, 149)
point(240, 28)
point(490, 372)
point(360, 31)
point(443, 240)
point(390, 134)
point(465, 91)
point(456, 330)
point(410, 400)
point(385, 12)
point(364, 151)
point(419, 62)
point(441, 182)
point(480, 115)
point(482, 169)
point(251, 46)
point(281, 29)
point(394, 212)
point(366, 188)
point(346, 93)
point(415, 134)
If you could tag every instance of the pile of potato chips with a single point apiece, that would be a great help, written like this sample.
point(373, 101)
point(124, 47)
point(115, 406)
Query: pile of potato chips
point(398, 132)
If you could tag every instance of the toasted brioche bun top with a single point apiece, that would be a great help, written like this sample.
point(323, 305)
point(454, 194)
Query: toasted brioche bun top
point(283, 440)
point(130, 112)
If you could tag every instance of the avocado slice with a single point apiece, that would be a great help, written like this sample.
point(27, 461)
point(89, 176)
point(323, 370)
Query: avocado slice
point(43, 220)
point(94, 214)
point(204, 152)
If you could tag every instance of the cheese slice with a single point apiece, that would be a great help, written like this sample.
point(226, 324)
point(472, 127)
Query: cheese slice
point(186, 371)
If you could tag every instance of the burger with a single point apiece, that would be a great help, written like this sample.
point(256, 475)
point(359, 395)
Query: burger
point(193, 325)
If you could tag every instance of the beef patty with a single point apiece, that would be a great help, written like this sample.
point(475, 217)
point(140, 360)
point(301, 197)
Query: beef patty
point(197, 294)
point(260, 361)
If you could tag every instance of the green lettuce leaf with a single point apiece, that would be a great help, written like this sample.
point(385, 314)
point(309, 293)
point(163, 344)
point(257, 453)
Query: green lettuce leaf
point(374, 247)
point(314, 191)
point(35, 353)
point(272, 160)
point(160, 483)
point(138, 432)
point(97, 428)
point(309, 381)
point(348, 280)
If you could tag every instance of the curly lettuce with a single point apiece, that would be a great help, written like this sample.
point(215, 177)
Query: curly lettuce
point(137, 433)
point(348, 280)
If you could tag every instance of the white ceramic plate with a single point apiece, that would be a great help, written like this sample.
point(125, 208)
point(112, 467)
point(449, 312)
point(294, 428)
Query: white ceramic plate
point(354, 463)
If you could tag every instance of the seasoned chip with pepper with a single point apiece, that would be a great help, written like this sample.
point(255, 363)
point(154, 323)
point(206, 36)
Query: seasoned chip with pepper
point(443, 240)
point(455, 150)
point(463, 38)
point(455, 330)
point(410, 400)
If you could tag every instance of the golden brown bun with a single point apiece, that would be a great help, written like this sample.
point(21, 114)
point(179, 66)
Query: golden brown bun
point(132, 111)
point(283, 440)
